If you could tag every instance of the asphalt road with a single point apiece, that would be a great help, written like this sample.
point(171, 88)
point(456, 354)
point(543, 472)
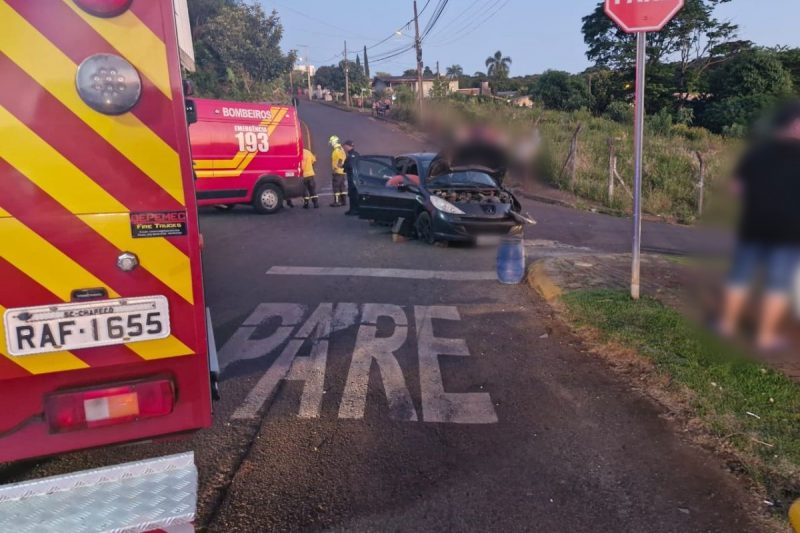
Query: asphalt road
point(417, 393)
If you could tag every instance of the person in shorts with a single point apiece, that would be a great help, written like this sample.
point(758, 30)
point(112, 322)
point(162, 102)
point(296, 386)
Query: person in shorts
point(768, 183)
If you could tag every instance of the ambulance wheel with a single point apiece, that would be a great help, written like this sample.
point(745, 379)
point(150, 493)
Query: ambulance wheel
point(225, 207)
point(268, 199)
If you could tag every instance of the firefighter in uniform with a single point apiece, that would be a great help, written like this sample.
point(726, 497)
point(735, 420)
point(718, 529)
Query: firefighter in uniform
point(338, 157)
point(352, 193)
point(309, 184)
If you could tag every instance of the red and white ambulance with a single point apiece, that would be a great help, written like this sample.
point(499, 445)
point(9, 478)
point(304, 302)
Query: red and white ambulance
point(246, 153)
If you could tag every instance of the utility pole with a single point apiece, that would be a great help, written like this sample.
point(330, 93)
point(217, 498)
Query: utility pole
point(418, 44)
point(308, 69)
point(346, 77)
point(437, 68)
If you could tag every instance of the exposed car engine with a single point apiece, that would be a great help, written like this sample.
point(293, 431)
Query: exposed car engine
point(485, 196)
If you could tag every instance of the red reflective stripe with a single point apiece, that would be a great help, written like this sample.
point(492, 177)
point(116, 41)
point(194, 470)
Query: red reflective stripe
point(42, 214)
point(76, 141)
point(151, 17)
point(19, 290)
point(74, 37)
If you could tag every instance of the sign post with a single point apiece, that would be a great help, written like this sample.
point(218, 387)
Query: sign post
point(640, 17)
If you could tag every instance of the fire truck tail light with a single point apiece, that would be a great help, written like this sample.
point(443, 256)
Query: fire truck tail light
point(104, 8)
point(108, 83)
point(92, 408)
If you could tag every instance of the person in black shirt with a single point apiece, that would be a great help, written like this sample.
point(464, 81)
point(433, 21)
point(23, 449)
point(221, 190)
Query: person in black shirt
point(352, 193)
point(768, 183)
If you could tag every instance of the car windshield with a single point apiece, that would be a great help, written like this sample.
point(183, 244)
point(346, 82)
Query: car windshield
point(468, 178)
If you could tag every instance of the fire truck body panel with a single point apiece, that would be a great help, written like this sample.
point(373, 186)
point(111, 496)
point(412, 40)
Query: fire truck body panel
point(236, 146)
point(87, 194)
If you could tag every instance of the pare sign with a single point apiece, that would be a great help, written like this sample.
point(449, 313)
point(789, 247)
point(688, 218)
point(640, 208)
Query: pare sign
point(635, 16)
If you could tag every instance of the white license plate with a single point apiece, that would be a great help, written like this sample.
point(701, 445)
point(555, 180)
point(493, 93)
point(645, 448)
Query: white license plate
point(72, 326)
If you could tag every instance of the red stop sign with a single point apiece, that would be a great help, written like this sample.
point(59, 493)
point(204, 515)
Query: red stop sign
point(642, 15)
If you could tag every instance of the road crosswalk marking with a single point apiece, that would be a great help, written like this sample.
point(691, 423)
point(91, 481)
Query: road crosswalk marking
point(400, 273)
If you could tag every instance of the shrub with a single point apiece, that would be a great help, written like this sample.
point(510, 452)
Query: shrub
point(621, 112)
point(661, 123)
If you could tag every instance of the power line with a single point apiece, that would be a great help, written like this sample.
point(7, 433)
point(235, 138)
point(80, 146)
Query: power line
point(347, 31)
point(400, 29)
point(434, 18)
point(458, 17)
point(466, 31)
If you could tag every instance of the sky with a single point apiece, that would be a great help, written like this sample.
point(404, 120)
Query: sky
point(537, 34)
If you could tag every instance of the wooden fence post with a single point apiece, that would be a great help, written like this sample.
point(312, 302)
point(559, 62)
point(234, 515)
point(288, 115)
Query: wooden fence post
point(572, 158)
point(701, 184)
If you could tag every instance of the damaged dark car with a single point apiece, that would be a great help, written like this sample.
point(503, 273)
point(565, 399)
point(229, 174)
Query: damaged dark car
point(455, 197)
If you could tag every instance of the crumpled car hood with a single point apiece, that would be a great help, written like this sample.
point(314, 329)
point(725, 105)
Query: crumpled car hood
point(478, 156)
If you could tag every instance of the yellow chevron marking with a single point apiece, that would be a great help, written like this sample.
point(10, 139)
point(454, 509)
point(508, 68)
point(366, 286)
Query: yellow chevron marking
point(160, 349)
point(54, 71)
point(43, 262)
point(207, 164)
point(42, 363)
point(156, 255)
point(224, 168)
point(135, 41)
point(50, 170)
point(54, 174)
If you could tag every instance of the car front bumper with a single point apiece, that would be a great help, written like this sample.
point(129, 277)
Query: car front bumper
point(466, 229)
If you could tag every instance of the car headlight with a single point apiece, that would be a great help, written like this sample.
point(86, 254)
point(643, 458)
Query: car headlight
point(445, 207)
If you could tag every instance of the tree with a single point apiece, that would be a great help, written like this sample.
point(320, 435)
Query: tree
point(480, 75)
point(694, 34)
point(454, 71)
point(744, 88)
point(237, 49)
point(329, 77)
point(498, 66)
point(427, 71)
point(790, 58)
point(366, 62)
point(562, 91)
point(440, 88)
point(410, 73)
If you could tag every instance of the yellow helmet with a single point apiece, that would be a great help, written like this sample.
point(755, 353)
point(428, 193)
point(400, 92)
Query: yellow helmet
point(334, 140)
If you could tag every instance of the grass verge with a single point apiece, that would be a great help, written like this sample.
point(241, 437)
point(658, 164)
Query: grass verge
point(752, 409)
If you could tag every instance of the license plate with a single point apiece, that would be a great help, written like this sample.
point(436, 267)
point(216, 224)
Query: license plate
point(72, 326)
point(488, 240)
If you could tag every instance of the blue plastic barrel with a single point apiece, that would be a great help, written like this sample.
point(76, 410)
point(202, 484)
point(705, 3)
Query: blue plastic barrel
point(511, 260)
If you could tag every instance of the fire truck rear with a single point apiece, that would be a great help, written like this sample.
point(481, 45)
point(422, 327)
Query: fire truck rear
point(103, 337)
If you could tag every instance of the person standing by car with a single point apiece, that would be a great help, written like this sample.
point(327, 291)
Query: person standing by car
point(338, 157)
point(349, 148)
point(768, 182)
point(309, 183)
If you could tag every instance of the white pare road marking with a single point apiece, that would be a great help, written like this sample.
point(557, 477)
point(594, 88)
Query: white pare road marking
point(293, 327)
point(399, 273)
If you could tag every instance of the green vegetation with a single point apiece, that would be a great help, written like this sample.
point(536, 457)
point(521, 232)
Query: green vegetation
point(755, 409)
point(498, 66)
point(671, 165)
point(237, 49)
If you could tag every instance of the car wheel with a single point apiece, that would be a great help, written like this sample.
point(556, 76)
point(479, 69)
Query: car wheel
point(268, 199)
point(424, 228)
point(225, 207)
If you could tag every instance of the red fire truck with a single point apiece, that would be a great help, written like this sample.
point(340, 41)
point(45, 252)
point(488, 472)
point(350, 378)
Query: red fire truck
point(104, 334)
point(246, 153)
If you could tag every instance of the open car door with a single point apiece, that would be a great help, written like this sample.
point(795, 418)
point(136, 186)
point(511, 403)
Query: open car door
point(377, 200)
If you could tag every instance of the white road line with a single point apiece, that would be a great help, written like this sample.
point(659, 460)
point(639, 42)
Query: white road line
point(401, 273)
